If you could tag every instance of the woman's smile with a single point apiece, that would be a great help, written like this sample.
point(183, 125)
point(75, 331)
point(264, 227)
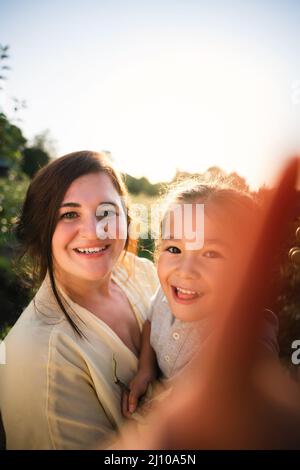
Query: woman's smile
point(91, 252)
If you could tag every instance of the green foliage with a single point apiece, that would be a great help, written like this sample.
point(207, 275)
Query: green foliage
point(146, 248)
point(45, 142)
point(141, 186)
point(13, 297)
point(12, 142)
point(3, 66)
point(33, 159)
point(12, 192)
point(4, 331)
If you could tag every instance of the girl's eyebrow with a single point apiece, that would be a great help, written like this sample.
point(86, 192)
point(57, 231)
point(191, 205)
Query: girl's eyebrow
point(215, 241)
point(170, 237)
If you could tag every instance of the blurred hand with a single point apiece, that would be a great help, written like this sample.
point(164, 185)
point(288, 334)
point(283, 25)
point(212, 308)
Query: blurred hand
point(137, 390)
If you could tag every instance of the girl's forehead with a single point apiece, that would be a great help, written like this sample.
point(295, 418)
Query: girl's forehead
point(197, 211)
point(206, 219)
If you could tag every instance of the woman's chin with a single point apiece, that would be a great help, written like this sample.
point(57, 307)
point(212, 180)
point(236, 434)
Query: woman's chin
point(95, 276)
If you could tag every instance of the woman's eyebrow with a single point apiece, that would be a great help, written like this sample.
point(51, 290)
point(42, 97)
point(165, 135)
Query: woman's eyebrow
point(70, 204)
point(76, 204)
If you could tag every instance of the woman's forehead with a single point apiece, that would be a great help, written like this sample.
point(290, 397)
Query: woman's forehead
point(91, 187)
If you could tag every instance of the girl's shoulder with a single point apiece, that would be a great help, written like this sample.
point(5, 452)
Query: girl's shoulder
point(160, 307)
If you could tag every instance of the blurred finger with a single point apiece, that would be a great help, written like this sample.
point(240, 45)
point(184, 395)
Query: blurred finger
point(124, 404)
point(132, 401)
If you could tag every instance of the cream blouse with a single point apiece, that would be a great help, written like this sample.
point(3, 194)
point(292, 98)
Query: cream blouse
point(57, 391)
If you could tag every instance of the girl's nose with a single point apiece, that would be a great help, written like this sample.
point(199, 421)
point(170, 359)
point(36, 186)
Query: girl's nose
point(189, 267)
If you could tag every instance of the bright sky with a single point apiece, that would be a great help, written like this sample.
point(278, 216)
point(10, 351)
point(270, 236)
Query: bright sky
point(161, 84)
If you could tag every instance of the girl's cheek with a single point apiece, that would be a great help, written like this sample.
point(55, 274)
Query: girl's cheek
point(165, 266)
point(161, 268)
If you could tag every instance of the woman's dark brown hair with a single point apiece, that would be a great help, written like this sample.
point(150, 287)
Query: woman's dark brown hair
point(39, 214)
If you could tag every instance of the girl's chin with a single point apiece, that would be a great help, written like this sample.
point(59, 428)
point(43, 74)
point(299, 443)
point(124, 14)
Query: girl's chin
point(188, 313)
point(187, 316)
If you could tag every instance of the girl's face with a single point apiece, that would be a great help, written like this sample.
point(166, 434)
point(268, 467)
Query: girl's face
point(77, 251)
point(195, 280)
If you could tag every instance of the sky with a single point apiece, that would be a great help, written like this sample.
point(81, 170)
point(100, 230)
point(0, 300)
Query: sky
point(163, 85)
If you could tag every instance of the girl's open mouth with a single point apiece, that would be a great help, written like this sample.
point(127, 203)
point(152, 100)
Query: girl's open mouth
point(185, 295)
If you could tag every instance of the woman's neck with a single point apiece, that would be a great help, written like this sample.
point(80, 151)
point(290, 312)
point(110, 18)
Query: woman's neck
point(79, 290)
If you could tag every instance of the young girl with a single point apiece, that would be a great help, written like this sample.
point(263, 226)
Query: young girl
point(198, 259)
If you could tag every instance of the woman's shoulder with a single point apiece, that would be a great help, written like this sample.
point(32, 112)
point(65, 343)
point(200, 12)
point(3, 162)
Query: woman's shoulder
point(37, 320)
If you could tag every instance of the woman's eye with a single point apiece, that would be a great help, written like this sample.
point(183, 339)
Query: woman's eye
point(69, 215)
point(173, 249)
point(107, 213)
point(102, 213)
point(212, 254)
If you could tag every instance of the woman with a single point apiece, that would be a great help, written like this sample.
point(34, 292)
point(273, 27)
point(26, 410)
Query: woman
point(79, 338)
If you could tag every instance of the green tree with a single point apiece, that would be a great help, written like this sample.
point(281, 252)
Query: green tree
point(12, 143)
point(12, 140)
point(141, 186)
point(13, 185)
point(33, 159)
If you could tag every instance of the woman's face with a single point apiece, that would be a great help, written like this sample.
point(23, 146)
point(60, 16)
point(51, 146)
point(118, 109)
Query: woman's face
point(196, 280)
point(77, 251)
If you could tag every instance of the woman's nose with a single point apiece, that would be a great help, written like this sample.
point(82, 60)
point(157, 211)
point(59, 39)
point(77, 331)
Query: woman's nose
point(88, 227)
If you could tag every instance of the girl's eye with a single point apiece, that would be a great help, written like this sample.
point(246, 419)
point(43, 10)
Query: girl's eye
point(174, 250)
point(69, 215)
point(212, 254)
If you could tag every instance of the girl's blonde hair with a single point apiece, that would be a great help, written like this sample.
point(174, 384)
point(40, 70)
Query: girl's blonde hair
point(240, 204)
